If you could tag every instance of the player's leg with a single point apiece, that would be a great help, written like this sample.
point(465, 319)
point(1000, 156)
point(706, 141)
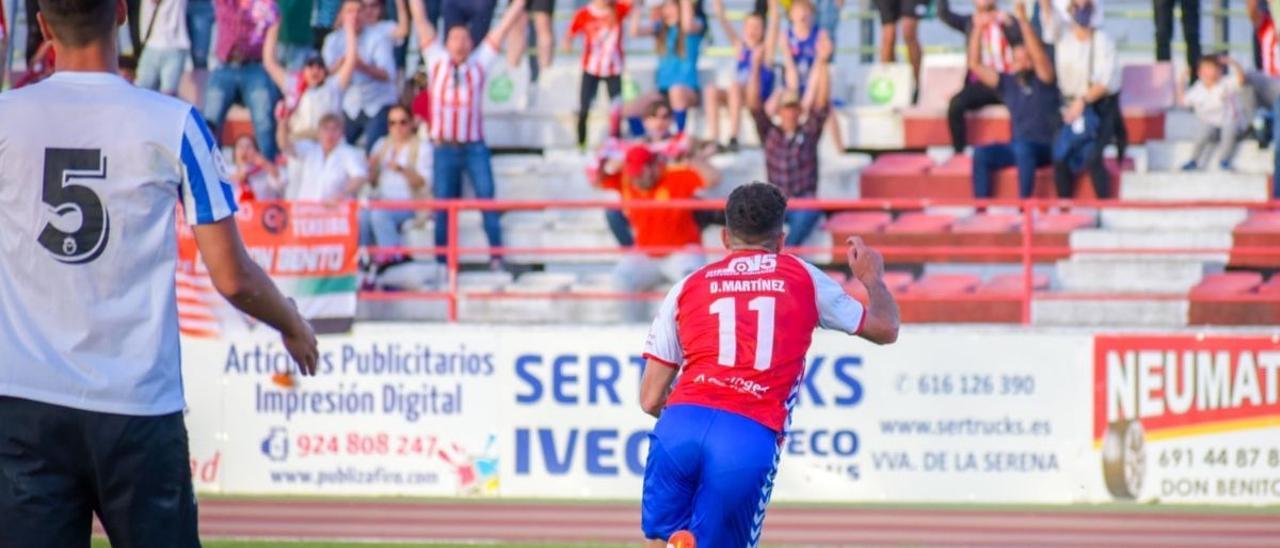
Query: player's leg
point(44, 499)
point(143, 479)
point(739, 464)
point(671, 471)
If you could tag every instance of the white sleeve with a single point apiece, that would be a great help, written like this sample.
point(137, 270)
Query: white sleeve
point(836, 309)
point(207, 193)
point(663, 343)
point(357, 164)
point(1106, 68)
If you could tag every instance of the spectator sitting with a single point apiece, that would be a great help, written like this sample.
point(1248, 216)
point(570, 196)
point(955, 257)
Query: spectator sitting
point(541, 14)
point(242, 29)
point(606, 173)
point(998, 37)
point(325, 170)
point(1216, 102)
point(791, 147)
point(257, 177)
point(456, 74)
point(373, 85)
point(600, 22)
point(669, 238)
point(1088, 76)
point(165, 46)
point(755, 37)
point(398, 169)
point(311, 93)
point(1029, 90)
point(678, 32)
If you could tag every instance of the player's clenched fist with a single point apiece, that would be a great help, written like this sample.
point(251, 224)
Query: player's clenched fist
point(865, 262)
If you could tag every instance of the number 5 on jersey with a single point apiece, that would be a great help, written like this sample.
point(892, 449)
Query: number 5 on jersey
point(67, 242)
point(726, 309)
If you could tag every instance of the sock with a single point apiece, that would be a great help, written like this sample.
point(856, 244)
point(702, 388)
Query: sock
point(681, 116)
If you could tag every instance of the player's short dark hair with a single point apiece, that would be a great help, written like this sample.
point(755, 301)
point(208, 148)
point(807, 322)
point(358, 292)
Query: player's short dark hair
point(77, 23)
point(755, 212)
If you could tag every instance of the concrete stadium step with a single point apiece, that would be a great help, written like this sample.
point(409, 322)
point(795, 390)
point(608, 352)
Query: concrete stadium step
point(1173, 219)
point(1133, 274)
point(1185, 186)
point(1093, 238)
point(1171, 155)
point(1109, 313)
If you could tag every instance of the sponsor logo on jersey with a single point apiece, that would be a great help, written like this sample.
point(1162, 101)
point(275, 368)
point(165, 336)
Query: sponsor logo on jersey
point(747, 266)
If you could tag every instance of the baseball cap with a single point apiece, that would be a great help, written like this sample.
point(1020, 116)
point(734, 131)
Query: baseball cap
point(638, 158)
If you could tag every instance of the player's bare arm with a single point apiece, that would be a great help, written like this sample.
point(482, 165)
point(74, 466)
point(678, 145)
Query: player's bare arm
point(655, 386)
point(243, 283)
point(881, 324)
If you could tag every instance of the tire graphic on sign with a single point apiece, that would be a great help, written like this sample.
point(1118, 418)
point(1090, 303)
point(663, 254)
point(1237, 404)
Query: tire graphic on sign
point(1124, 459)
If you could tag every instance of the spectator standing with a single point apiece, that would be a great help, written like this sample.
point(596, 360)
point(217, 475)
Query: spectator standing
point(373, 85)
point(1190, 29)
point(165, 45)
point(399, 169)
point(311, 93)
point(457, 73)
point(907, 13)
point(997, 37)
point(678, 32)
point(200, 18)
point(755, 36)
point(600, 23)
point(257, 177)
point(1215, 100)
point(1088, 76)
point(242, 30)
point(295, 40)
point(540, 18)
point(1028, 88)
point(326, 169)
point(669, 238)
point(791, 146)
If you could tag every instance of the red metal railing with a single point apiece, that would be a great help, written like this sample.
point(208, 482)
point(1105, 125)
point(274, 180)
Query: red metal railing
point(1026, 253)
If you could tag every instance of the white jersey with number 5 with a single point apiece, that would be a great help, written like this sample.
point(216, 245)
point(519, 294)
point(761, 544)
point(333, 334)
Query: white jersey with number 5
point(91, 172)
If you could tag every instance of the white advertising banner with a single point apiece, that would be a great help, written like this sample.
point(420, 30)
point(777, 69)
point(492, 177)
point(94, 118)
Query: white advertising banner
point(944, 415)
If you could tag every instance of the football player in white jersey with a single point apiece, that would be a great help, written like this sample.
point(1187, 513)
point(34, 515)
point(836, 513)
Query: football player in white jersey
point(91, 172)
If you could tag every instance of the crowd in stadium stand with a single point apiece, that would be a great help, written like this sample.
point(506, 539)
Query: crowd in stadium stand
point(381, 99)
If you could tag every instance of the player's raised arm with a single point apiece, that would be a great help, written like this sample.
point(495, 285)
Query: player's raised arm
point(880, 324)
point(209, 207)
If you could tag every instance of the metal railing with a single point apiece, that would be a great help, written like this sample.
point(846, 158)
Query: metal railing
point(1027, 253)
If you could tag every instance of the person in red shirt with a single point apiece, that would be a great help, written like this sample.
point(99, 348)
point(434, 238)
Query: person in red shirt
point(600, 23)
point(668, 240)
point(737, 331)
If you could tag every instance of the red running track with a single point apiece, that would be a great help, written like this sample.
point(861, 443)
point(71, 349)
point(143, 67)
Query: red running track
point(619, 523)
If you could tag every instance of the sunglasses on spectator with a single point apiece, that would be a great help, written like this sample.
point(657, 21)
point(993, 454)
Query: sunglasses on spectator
point(398, 121)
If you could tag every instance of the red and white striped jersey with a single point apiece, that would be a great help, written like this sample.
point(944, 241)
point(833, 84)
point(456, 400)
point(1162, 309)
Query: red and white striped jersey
point(1270, 47)
point(603, 31)
point(456, 94)
point(740, 328)
point(997, 53)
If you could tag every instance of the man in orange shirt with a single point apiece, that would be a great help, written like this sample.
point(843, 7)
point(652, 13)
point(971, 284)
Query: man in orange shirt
point(668, 240)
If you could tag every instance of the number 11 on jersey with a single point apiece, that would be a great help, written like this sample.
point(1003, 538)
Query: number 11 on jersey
point(726, 309)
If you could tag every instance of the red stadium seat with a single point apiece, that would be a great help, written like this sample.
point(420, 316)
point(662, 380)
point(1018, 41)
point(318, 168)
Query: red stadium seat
point(858, 222)
point(920, 223)
point(1272, 287)
point(944, 284)
point(1147, 94)
point(898, 281)
point(1011, 284)
point(1261, 231)
point(1063, 222)
point(1227, 283)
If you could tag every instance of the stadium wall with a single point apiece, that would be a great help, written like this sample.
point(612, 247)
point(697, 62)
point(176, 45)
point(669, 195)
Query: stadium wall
point(963, 414)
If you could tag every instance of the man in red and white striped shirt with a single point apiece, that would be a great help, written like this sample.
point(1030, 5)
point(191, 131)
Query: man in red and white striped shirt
point(601, 23)
point(456, 74)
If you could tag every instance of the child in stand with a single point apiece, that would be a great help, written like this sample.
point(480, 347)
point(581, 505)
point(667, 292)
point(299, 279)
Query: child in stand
point(600, 23)
point(754, 38)
point(1215, 100)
